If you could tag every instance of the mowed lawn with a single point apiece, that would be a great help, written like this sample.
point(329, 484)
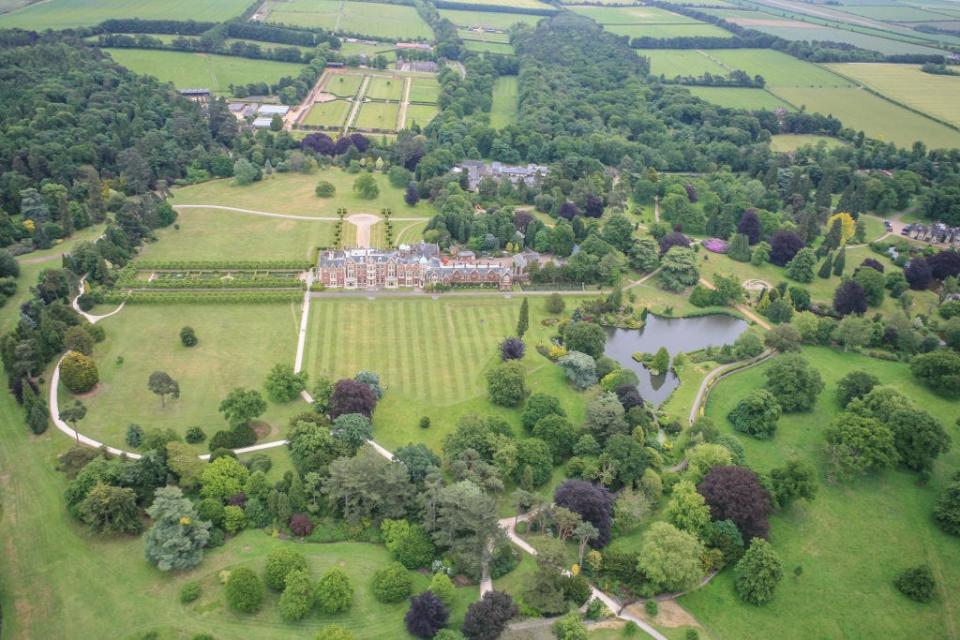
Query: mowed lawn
point(294, 193)
point(421, 114)
point(878, 118)
point(68, 14)
point(328, 114)
point(492, 47)
point(432, 356)
point(185, 69)
point(740, 98)
point(344, 85)
point(377, 115)
point(506, 95)
point(936, 95)
point(853, 539)
point(215, 234)
point(380, 88)
point(238, 345)
point(424, 90)
point(369, 18)
point(786, 142)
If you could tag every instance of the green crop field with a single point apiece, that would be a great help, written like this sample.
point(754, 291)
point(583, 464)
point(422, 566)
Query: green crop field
point(522, 4)
point(777, 68)
point(791, 142)
point(145, 337)
point(344, 85)
point(935, 95)
point(685, 30)
point(878, 118)
point(858, 535)
point(293, 193)
point(740, 98)
point(633, 15)
point(214, 72)
point(505, 101)
point(431, 356)
point(385, 88)
point(377, 115)
point(489, 19)
point(492, 47)
point(680, 62)
point(328, 114)
point(216, 234)
point(420, 114)
point(68, 14)
point(374, 19)
point(893, 13)
point(425, 90)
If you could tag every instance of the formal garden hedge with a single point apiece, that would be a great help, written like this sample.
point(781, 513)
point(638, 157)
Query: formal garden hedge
point(201, 297)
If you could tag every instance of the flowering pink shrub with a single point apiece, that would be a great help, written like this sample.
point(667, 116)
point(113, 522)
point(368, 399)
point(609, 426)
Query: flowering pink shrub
point(716, 245)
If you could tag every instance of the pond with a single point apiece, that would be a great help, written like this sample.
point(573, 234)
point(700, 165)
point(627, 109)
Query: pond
point(677, 335)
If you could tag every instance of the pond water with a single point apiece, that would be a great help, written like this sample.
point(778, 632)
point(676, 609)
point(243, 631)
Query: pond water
point(677, 335)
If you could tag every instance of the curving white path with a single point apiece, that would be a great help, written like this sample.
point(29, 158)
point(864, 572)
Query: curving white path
point(92, 319)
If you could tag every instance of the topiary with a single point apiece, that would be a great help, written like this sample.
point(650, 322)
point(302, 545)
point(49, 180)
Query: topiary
point(78, 372)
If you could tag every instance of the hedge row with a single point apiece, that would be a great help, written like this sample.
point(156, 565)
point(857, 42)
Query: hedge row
point(196, 283)
point(212, 265)
point(202, 297)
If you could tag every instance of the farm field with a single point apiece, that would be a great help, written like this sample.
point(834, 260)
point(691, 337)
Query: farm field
point(685, 30)
point(791, 142)
point(859, 109)
point(431, 356)
point(216, 234)
point(380, 88)
point(935, 95)
point(740, 98)
point(777, 68)
point(489, 19)
point(520, 4)
point(344, 85)
point(377, 115)
point(217, 73)
point(851, 534)
point(293, 193)
point(68, 14)
point(328, 114)
point(425, 90)
point(893, 12)
point(421, 114)
point(145, 337)
point(492, 47)
point(633, 15)
point(483, 36)
point(680, 62)
point(368, 18)
point(506, 94)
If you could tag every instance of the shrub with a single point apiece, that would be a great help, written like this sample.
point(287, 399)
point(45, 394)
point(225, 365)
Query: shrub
point(188, 337)
point(78, 339)
point(392, 583)
point(301, 525)
point(426, 616)
point(442, 586)
point(512, 349)
point(916, 583)
point(756, 415)
point(297, 598)
point(78, 372)
point(195, 435)
point(650, 606)
point(244, 590)
point(555, 304)
point(234, 519)
point(758, 572)
point(334, 632)
point(283, 385)
point(947, 510)
point(325, 189)
point(134, 435)
point(506, 384)
point(487, 618)
point(281, 562)
point(424, 422)
point(190, 592)
point(334, 592)
point(855, 384)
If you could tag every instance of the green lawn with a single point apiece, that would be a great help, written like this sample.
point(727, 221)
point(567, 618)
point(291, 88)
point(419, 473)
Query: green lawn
point(217, 73)
point(505, 98)
point(740, 98)
point(377, 115)
point(328, 114)
point(238, 346)
point(852, 539)
point(432, 356)
point(385, 88)
point(878, 118)
point(491, 47)
point(493, 20)
point(371, 50)
point(425, 90)
point(68, 14)
point(379, 20)
point(294, 193)
point(344, 85)
point(791, 142)
point(420, 114)
point(214, 234)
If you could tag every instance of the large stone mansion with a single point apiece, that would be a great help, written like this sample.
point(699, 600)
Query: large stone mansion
point(418, 265)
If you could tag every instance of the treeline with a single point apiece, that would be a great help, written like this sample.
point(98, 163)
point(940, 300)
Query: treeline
point(746, 38)
point(448, 43)
point(494, 8)
point(66, 160)
point(239, 49)
point(736, 78)
point(136, 25)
